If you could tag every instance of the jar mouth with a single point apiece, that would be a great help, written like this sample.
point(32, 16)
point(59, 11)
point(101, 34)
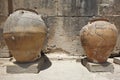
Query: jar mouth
point(98, 19)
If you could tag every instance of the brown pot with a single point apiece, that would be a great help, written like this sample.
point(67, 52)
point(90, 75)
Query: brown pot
point(24, 33)
point(98, 39)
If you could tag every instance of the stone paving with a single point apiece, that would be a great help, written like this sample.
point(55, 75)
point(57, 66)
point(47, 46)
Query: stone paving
point(61, 69)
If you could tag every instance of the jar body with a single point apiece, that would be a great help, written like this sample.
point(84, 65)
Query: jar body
point(24, 33)
point(98, 40)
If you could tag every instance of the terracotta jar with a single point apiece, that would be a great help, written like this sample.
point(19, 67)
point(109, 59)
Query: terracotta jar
point(98, 39)
point(24, 33)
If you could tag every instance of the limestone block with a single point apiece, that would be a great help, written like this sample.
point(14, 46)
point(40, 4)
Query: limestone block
point(115, 20)
point(4, 52)
point(4, 7)
point(22, 68)
point(32, 67)
point(2, 20)
point(94, 67)
point(109, 7)
point(44, 7)
point(64, 34)
point(116, 60)
point(77, 7)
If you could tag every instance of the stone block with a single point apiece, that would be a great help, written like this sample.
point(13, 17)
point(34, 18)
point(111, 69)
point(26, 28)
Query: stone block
point(77, 7)
point(22, 68)
point(4, 55)
point(116, 60)
point(4, 8)
point(44, 7)
point(115, 20)
point(63, 34)
point(31, 67)
point(4, 60)
point(2, 20)
point(94, 67)
point(109, 7)
point(4, 52)
point(2, 69)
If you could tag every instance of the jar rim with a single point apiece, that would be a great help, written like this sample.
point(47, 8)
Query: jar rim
point(98, 19)
point(31, 10)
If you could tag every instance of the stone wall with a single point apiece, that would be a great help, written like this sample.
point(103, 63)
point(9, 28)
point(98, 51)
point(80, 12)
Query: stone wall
point(65, 18)
point(4, 52)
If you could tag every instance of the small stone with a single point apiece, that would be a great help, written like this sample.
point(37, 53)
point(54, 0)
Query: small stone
point(60, 58)
point(116, 60)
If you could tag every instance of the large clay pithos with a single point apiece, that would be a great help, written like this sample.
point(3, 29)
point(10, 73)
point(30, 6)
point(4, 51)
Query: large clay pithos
point(98, 39)
point(24, 33)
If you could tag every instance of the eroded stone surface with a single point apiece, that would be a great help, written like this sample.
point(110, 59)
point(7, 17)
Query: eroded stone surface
point(63, 34)
point(109, 7)
point(44, 7)
point(77, 7)
point(4, 8)
point(115, 20)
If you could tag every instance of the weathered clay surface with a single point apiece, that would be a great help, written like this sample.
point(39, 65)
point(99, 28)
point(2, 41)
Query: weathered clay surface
point(98, 40)
point(24, 33)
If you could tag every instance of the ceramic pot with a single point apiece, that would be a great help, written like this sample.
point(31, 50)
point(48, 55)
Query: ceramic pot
point(98, 39)
point(25, 33)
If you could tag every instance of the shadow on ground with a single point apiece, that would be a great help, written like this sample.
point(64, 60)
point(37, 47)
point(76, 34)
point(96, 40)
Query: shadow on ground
point(42, 63)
